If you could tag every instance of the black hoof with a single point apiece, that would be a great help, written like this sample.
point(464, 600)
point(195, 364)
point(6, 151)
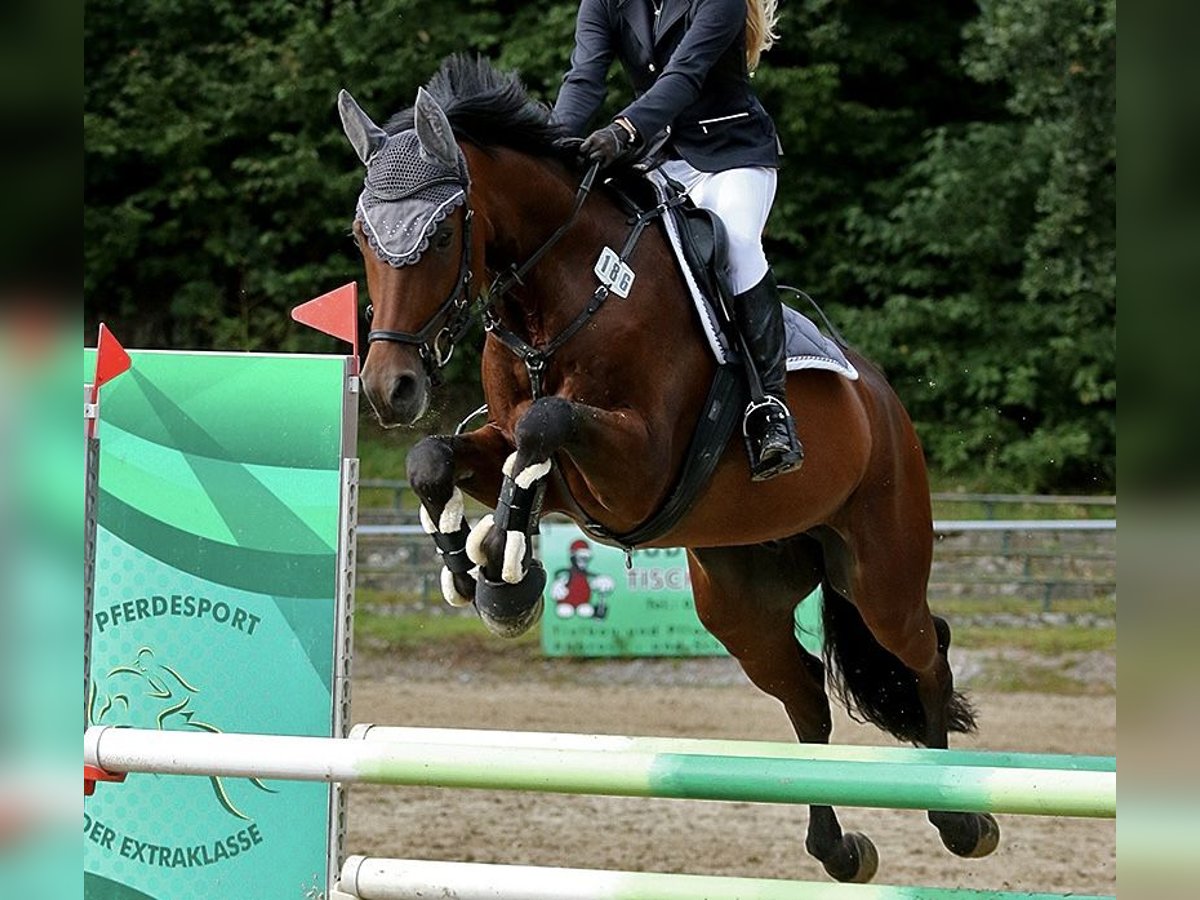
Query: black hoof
point(509, 610)
point(969, 835)
point(854, 860)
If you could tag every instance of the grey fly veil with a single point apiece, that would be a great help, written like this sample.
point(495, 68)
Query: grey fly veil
point(415, 178)
point(405, 196)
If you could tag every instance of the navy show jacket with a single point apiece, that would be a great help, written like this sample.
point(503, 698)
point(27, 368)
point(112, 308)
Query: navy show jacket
point(689, 75)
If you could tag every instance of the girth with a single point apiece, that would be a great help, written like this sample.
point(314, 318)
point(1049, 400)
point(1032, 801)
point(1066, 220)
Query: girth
point(718, 419)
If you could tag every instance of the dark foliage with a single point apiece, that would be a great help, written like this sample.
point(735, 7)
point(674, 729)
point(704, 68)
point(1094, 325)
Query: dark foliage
point(948, 193)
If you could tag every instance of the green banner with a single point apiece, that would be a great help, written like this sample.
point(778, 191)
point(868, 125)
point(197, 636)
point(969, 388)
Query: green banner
point(215, 610)
point(598, 606)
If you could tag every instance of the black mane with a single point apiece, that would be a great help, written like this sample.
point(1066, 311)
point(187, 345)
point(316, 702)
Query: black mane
point(489, 108)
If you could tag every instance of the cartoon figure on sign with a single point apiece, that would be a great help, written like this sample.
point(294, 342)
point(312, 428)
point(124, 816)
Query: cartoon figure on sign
point(578, 592)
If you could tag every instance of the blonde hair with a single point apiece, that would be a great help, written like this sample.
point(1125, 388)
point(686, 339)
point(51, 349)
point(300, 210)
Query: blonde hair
point(761, 18)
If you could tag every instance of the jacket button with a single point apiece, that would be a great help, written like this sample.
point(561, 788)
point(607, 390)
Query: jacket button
point(652, 69)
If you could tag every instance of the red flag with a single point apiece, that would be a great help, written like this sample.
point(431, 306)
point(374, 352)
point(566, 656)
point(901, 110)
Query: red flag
point(334, 313)
point(111, 358)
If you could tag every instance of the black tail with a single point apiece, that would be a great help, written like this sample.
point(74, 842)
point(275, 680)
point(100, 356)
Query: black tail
point(874, 685)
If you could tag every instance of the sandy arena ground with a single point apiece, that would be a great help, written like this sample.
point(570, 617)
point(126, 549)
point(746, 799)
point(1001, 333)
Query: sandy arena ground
point(699, 698)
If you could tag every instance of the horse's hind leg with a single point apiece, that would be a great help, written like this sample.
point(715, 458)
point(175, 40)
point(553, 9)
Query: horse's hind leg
point(891, 653)
point(746, 597)
point(971, 835)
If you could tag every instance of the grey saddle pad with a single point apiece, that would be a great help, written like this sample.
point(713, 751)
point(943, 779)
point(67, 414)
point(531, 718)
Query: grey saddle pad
point(807, 347)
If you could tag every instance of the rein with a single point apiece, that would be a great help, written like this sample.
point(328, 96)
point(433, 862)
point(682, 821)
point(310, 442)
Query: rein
point(534, 357)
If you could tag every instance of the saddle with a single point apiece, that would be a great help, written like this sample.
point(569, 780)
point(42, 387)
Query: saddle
point(697, 237)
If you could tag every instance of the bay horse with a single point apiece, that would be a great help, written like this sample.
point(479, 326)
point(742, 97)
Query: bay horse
point(591, 414)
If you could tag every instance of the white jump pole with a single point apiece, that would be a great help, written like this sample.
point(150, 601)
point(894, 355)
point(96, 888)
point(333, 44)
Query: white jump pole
point(366, 878)
point(614, 743)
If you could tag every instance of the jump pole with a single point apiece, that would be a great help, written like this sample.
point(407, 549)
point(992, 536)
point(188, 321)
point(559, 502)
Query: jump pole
point(405, 879)
point(631, 774)
point(611, 743)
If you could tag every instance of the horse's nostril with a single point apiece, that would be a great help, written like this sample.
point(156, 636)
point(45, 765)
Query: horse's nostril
point(404, 390)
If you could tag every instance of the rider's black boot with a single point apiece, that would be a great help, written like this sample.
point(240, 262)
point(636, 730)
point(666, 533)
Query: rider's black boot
point(768, 427)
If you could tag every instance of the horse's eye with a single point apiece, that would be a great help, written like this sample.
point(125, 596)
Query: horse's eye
point(442, 240)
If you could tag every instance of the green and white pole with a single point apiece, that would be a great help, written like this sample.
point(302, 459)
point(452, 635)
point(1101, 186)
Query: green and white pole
point(612, 743)
point(408, 879)
point(631, 774)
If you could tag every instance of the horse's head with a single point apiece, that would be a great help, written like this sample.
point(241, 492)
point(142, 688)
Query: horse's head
point(412, 224)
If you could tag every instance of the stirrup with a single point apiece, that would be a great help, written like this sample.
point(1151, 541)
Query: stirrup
point(755, 405)
point(787, 460)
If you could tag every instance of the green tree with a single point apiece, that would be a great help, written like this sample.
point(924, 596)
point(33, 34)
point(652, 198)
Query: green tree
point(947, 189)
point(992, 277)
point(219, 188)
point(853, 87)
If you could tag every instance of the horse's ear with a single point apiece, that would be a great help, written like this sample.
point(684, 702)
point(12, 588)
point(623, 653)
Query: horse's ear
point(365, 136)
point(434, 131)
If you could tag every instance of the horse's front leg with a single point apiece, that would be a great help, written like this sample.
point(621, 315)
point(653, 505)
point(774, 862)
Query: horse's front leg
point(508, 593)
point(437, 466)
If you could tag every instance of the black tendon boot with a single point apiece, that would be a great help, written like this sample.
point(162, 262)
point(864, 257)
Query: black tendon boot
point(767, 425)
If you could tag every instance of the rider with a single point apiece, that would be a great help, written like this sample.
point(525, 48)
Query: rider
point(690, 63)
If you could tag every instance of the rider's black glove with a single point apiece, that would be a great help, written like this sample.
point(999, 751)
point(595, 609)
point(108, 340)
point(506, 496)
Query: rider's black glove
point(607, 145)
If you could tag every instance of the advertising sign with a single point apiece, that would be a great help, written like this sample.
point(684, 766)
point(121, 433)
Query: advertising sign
point(216, 605)
point(598, 606)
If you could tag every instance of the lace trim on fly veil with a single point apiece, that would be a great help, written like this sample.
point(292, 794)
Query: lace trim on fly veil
point(411, 255)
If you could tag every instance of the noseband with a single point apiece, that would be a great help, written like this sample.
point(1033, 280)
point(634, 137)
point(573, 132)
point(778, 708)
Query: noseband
point(449, 321)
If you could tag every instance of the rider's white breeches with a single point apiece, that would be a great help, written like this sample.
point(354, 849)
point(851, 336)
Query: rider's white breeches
point(742, 198)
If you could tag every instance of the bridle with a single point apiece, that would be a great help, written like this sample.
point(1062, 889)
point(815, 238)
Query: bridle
point(453, 317)
point(449, 321)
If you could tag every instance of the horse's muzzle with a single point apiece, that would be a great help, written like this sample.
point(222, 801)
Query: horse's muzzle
point(398, 397)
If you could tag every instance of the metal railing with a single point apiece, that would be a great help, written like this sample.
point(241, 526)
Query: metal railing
point(1087, 504)
point(403, 503)
point(1035, 560)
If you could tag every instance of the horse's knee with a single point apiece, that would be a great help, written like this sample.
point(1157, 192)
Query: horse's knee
point(430, 468)
point(545, 427)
